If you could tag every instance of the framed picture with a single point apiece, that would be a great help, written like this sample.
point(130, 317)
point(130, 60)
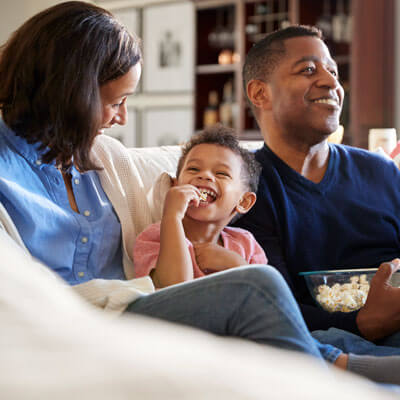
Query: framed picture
point(168, 47)
point(130, 17)
point(166, 126)
point(126, 134)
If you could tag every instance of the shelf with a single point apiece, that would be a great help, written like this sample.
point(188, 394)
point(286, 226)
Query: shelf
point(343, 59)
point(268, 17)
point(251, 135)
point(217, 68)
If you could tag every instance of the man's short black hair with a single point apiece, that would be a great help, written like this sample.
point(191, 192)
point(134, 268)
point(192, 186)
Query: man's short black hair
point(225, 137)
point(265, 55)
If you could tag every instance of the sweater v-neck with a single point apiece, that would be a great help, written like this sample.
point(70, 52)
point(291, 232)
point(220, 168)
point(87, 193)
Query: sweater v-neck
point(292, 177)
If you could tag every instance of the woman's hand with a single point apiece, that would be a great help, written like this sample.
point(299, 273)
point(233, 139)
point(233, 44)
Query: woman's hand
point(212, 257)
point(178, 199)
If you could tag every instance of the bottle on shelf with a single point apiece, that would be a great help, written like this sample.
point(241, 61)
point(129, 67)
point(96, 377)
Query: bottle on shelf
point(210, 116)
point(226, 106)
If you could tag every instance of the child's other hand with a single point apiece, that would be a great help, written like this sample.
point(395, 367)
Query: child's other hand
point(212, 257)
point(178, 199)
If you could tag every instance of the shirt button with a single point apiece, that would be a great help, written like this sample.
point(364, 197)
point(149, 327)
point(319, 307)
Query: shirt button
point(84, 239)
point(38, 162)
point(86, 213)
point(81, 274)
point(76, 181)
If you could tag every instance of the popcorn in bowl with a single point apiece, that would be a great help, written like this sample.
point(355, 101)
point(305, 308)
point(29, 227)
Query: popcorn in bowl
point(342, 290)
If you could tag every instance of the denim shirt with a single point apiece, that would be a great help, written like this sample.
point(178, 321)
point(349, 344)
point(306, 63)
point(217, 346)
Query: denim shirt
point(78, 246)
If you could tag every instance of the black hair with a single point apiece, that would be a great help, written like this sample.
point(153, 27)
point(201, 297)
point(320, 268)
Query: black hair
point(225, 137)
point(265, 55)
point(51, 71)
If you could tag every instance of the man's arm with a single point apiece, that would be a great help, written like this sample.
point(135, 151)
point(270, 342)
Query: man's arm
point(264, 229)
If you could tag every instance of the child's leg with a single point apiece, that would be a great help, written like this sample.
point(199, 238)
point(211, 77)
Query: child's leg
point(252, 302)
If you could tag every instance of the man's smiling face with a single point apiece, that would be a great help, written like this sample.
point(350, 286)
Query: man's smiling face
point(304, 89)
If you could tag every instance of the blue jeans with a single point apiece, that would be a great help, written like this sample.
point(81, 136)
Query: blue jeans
point(251, 302)
point(351, 343)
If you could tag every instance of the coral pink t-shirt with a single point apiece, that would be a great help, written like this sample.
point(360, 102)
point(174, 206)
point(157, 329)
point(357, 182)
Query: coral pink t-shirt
point(147, 247)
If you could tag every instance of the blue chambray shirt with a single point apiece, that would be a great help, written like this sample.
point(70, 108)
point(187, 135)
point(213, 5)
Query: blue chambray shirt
point(78, 246)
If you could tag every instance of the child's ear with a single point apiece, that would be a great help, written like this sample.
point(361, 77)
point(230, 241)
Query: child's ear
point(246, 202)
point(258, 93)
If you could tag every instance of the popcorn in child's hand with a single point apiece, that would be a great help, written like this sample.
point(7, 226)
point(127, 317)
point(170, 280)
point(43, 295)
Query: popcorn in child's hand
point(346, 297)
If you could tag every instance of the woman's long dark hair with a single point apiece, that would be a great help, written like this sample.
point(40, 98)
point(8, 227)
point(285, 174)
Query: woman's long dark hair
point(51, 71)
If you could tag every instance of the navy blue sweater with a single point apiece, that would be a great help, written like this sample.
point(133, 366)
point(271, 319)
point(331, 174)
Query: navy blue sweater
point(350, 219)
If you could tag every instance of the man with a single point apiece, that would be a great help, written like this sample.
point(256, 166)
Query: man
point(320, 206)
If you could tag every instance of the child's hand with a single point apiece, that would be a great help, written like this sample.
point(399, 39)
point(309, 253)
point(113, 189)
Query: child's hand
point(212, 257)
point(178, 199)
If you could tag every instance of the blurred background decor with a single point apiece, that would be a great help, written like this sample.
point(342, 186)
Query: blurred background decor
point(205, 43)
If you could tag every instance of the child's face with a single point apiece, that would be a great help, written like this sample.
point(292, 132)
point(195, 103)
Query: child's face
point(217, 170)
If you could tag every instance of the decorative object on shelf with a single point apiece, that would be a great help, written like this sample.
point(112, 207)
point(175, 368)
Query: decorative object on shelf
point(385, 138)
point(227, 106)
point(223, 35)
point(210, 116)
point(225, 57)
point(125, 133)
point(166, 126)
point(340, 21)
point(324, 22)
point(168, 47)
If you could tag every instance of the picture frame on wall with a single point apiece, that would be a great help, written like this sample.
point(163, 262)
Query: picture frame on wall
point(126, 134)
point(166, 126)
point(168, 47)
point(131, 17)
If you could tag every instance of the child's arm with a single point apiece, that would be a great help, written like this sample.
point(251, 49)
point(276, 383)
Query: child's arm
point(212, 257)
point(174, 264)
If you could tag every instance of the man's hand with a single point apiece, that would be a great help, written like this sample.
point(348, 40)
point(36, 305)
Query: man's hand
point(212, 257)
point(178, 199)
point(380, 315)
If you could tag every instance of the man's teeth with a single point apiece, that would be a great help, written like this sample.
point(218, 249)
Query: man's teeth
point(327, 101)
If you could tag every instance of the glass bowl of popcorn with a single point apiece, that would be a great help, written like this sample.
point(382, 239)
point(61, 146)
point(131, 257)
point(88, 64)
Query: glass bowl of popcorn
point(342, 290)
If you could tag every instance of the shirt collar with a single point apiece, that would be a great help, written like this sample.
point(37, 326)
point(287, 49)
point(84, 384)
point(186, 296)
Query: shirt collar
point(30, 151)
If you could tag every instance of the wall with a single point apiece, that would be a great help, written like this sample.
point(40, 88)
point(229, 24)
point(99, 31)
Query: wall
point(14, 13)
point(154, 118)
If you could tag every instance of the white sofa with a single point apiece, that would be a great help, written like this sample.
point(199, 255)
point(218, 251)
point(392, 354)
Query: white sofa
point(55, 346)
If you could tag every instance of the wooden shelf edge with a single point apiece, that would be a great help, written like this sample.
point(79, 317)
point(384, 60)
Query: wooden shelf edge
point(217, 68)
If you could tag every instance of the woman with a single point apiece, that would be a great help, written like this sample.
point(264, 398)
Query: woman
point(66, 74)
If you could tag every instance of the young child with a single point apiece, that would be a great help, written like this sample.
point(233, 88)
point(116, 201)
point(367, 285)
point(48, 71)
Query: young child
point(216, 179)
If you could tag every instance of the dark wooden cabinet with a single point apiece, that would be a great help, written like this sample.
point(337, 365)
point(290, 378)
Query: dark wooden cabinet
point(360, 36)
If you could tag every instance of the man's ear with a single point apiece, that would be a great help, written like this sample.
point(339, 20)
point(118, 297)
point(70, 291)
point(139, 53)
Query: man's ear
point(259, 94)
point(246, 202)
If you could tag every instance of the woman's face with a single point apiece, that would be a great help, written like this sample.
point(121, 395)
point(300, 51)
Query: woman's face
point(113, 97)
